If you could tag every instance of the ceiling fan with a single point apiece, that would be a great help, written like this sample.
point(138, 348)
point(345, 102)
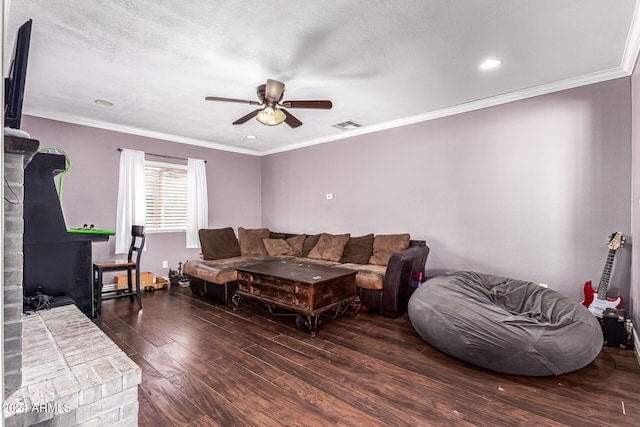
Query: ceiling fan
point(273, 113)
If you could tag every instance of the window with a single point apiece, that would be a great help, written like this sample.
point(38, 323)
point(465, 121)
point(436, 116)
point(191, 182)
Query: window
point(166, 196)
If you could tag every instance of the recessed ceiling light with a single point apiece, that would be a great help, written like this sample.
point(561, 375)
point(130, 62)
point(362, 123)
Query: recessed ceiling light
point(251, 136)
point(103, 102)
point(490, 64)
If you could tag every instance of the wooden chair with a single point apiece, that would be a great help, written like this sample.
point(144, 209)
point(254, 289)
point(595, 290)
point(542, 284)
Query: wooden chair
point(130, 265)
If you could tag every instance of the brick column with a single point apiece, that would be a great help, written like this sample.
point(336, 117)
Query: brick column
point(17, 153)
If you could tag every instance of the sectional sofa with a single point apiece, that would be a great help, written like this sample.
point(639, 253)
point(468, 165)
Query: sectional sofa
point(388, 266)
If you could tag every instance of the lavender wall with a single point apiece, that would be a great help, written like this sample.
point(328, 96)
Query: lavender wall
point(634, 301)
point(90, 187)
point(528, 189)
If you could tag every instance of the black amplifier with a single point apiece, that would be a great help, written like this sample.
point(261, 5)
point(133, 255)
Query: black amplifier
point(614, 327)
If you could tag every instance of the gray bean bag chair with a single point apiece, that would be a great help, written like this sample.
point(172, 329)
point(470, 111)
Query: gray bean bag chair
point(505, 325)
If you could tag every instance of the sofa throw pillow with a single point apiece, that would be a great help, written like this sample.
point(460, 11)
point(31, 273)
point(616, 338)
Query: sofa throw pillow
point(250, 240)
point(277, 247)
point(384, 245)
point(329, 247)
point(296, 243)
point(358, 250)
point(309, 243)
point(218, 243)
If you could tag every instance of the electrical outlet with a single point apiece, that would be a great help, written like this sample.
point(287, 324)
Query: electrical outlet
point(165, 264)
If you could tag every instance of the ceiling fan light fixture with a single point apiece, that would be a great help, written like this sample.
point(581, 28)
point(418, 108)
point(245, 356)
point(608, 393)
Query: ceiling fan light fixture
point(270, 116)
point(274, 90)
point(269, 96)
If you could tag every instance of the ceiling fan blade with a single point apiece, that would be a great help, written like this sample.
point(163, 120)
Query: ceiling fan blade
point(274, 90)
point(319, 104)
point(248, 117)
point(242, 101)
point(291, 120)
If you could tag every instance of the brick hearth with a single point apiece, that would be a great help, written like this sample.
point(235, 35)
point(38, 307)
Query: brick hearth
point(72, 374)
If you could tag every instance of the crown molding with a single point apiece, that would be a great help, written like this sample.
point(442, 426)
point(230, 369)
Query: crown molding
point(584, 80)
point(67, 118)
point(632, 46)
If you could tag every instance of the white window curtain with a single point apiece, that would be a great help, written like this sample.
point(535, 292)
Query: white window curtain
point(197, 203)
point(131, 197)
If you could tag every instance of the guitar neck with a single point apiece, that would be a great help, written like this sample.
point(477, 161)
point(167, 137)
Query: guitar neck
point(606, 275)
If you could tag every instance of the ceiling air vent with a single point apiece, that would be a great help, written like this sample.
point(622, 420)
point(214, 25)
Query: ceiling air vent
point(348, 125)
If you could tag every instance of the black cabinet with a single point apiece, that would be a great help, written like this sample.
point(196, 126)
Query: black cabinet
point(56, 261)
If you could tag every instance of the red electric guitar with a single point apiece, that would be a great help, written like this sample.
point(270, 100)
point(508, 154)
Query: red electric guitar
point(598, 302)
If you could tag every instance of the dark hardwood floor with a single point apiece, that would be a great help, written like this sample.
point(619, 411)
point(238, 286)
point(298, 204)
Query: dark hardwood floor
point(205, 364)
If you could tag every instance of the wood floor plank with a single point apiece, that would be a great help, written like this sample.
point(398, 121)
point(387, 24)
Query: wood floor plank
point(355, 390)
point(218, 409)
point(151, 354)
point(307, 348)
point(267, 411)
point(230, 353)
point(288, 353)
point(116, 339)
point(390, 388)
point(151, 333)
point(149, 414)
point(206, 364)
point(113, 321)
point(435, 385)
point(237, 340)
point(180, 352)
point(207, 421)
point(165, 397)
point(346, 414)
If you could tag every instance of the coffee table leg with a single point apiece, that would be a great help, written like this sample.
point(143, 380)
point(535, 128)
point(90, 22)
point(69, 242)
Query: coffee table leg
point(237, 299)
point(309, 322)
point(313, 324)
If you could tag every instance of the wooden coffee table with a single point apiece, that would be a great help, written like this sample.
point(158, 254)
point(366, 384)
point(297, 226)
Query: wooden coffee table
point(299, 287)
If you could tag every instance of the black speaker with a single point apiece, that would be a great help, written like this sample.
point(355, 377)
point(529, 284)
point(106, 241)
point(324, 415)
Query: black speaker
point(614, 327)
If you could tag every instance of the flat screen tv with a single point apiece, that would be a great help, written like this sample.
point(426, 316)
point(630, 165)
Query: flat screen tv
point(14, 83)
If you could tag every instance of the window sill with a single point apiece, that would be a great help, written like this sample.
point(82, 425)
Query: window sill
point(166, 231)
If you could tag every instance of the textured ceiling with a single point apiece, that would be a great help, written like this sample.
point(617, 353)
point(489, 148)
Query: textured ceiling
point(382, 63)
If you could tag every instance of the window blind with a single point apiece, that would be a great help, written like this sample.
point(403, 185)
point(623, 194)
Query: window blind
point(166, 196)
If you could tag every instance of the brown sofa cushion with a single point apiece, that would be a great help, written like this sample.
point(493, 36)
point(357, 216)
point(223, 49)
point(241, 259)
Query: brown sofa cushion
point(218, 243)
point(358, 250)
point(309, 243)
point(284, 247)
point(277, 247)
point(297, 243)
point(329, 247)
point(251, 241)
point(384, 245)
point(369, 276)
point(218, 271)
